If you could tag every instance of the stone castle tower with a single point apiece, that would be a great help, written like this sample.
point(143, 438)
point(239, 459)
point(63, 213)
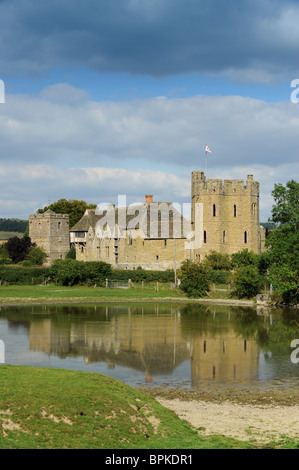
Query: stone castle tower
point(51, 232)
point(229, 213)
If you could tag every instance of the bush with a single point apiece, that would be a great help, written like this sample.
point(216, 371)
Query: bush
point(217, 261)
point(247, 282)
point(219, 277)
point(70, 272)
point(19, 275)
point(36, 256)
point(244, 258)
point(72, 253)
point(194, 279)
point(139, 275)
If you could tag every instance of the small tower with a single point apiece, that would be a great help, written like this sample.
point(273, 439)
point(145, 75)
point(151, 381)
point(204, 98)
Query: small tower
point(230, 211)
point(51, 232)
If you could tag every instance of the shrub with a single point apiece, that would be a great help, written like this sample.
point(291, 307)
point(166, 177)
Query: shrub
point(244, 258)
point(219, 277)
point(194, 279)
point(217, 261)
point(139, 275)
point(36, 256)
point(247, 282)
point(70, 272)
point(19, 275)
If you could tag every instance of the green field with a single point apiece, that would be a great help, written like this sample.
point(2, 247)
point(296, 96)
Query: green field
point(4, 236)
point(54, 408)
point(53, 293)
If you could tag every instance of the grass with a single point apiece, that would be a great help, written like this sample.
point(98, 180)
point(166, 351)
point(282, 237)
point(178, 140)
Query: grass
point(59, 294)
point(52, 293)
point(59, 409)
point(6, 235)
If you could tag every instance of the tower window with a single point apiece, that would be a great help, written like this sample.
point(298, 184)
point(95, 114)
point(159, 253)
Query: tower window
point(59, 225)
point(253, 209)
point(235, 210)
point(245, 237)
point(224, 236)
point(214, 210)
point(205, 236)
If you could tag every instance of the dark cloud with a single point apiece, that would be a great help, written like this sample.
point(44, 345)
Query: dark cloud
point(152, 37)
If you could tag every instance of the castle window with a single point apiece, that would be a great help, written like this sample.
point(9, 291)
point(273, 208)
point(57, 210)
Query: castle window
point(214, 210)
point(130, 239)
point(39, 225)
point(99, 251)
point(59, 225)
point(165, 243)
point(253, 209)
point(107, 251)
point(245, 237)
point(224, 236)
point(205, 236)
point(157, 258)
point(235, 210)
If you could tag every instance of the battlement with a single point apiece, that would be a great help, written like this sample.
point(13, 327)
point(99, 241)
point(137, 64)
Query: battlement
point(49, 214)
point(200, 185)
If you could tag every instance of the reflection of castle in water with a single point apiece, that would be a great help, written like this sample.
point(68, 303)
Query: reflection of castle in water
point(153, 343)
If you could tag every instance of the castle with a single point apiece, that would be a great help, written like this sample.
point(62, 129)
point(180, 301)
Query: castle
point(156, 235)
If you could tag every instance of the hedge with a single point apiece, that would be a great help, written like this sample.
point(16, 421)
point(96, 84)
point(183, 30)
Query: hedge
point(139, 275)
point(23, 275)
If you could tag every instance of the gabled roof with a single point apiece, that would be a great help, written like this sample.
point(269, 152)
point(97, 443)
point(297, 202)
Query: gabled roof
point(156, 220)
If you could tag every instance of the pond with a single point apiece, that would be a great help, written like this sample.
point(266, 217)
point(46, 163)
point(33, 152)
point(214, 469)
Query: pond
point(176, 345)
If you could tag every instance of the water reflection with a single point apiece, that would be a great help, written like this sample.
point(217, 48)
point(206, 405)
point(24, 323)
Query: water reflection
point(182, 345)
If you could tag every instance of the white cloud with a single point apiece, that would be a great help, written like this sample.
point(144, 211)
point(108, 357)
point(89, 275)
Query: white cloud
point(82, 149)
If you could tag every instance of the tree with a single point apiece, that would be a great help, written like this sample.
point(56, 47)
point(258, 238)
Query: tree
point(18, 248)
point(74, 208)
point(283, 242)
point(194, 279)
point(217, 261)
point(247, 282)
point(37, 256)
point(244, 258)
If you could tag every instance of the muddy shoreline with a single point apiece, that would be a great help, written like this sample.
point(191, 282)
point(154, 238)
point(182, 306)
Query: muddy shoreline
point(245, 396)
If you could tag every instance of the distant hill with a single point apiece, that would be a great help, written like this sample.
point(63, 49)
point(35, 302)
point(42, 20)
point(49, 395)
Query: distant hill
point(13, 225)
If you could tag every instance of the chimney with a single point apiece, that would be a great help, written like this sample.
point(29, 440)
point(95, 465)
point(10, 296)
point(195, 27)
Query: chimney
point(148, 198)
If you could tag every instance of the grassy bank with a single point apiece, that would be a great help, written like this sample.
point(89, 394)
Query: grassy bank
point(55, 408)
point(61, 294)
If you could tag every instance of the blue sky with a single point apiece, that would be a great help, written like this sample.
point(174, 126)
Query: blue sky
point(109, 97)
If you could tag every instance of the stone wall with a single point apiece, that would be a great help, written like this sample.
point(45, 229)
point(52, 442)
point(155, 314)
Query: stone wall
point(51, 232)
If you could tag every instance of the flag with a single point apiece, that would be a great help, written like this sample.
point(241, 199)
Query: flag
point(208, 149)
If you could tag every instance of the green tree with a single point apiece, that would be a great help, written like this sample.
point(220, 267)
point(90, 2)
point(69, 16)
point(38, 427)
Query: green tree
point(246, 282)
point(244, 258)
point(73, 207)
point(194, 279)
point(37, 256)
point(217, 261)
point(283, 242)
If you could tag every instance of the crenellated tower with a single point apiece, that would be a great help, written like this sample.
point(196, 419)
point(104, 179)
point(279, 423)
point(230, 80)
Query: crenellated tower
point(230, 213)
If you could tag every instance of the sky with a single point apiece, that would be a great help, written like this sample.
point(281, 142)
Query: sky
point(102, 98)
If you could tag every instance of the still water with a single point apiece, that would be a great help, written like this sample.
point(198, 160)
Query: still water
point(184, 345)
